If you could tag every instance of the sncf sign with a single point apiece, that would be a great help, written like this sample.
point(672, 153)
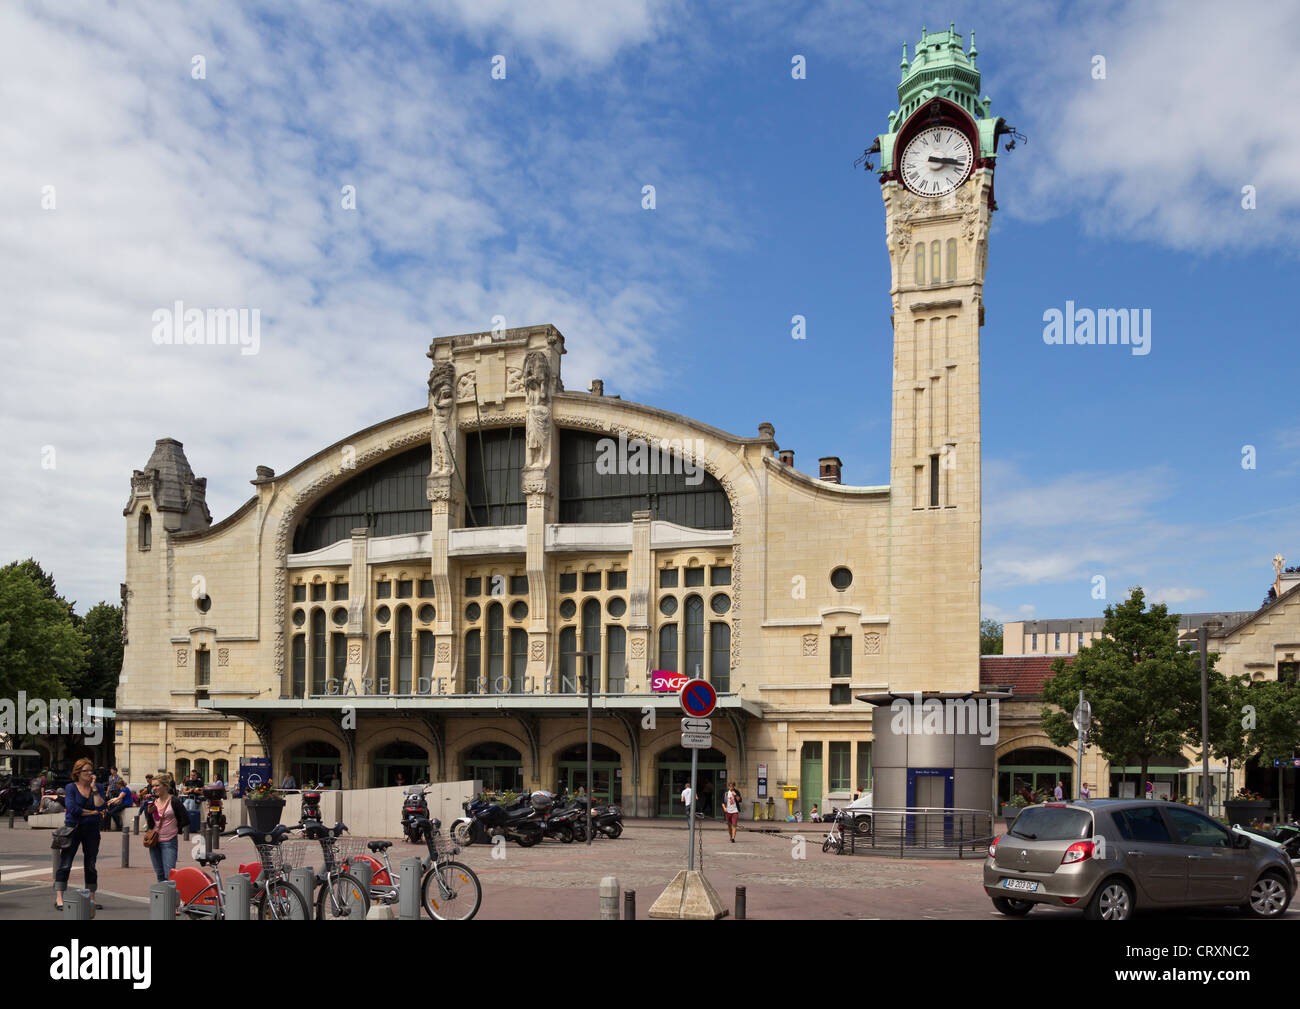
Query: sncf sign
point(662, 682)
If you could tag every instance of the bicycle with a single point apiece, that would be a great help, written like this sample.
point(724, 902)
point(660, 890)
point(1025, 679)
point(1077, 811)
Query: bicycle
point(273, 897)
point(835, 838)
point(446, 885)
point(339, 895)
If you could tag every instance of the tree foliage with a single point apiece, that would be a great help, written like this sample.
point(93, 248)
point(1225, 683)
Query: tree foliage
point(41, 650)
point(990, 637)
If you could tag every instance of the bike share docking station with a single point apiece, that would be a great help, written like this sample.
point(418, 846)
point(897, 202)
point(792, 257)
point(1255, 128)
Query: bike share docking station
point(690, 896)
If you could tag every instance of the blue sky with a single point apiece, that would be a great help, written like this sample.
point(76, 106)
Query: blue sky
point(522, 198)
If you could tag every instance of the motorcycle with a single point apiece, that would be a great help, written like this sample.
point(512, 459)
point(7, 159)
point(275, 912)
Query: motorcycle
point(606, 820)
point(213, 796)
point(414, 807)
point(519, 821)
point(310, 808)
point(16, 797)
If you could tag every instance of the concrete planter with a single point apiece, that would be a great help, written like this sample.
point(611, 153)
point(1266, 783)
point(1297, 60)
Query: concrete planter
point(264, 814)
point(1245, 810)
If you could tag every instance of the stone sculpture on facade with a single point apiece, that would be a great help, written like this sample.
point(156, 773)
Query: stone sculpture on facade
point(442, 403)
point(537, 389)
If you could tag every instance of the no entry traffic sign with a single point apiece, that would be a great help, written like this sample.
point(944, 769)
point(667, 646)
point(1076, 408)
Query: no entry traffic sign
point(698, 698)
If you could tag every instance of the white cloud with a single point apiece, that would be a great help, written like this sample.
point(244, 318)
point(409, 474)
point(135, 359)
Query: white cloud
point(1176, 595)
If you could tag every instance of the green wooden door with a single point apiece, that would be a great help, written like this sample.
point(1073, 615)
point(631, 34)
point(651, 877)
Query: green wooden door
point(810, 777)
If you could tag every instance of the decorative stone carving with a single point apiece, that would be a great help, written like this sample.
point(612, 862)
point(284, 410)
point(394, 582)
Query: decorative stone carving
point(514, 381)
point(354, 653)
point(810, 644)
point(465, 387)
point(537, 649)
point(537, 390)
point(182, 657)
point(442, 404)
point(223, 656)
point(444, 652)
point(126, 595)
point(871, 642)
point(638, 648)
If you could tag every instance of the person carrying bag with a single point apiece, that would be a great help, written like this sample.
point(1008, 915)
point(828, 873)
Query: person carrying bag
point(84, 806)
point(164, 814)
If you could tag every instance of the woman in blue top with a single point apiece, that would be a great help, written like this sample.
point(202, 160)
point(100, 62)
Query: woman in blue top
point(85, 806)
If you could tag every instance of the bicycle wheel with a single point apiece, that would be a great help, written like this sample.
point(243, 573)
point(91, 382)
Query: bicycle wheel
point(282, 901)
point(343, 899)
point(451, 892)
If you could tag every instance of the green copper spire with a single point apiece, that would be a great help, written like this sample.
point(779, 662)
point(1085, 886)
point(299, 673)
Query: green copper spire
point(940, 69)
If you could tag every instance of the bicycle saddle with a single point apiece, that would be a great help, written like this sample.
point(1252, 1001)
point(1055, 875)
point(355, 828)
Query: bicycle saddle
point(211, 858)
point(379, 845)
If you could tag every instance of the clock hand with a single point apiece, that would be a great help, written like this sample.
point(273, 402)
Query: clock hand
point(944, 161)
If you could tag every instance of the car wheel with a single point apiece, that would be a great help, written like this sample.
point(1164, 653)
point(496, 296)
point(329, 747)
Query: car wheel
point(862, 826)
point(1268, 897)
point(1113, 901)
point(1013, 908)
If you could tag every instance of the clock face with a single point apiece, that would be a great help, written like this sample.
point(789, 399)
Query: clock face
point(936, 161)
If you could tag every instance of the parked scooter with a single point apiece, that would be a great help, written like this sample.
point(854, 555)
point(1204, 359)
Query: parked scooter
point(414, 807)
point(519, 821)
point(213, 797)
point(310, 808)
point(606, 820)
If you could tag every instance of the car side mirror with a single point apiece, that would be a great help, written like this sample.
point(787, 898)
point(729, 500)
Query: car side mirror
point(1240, 841)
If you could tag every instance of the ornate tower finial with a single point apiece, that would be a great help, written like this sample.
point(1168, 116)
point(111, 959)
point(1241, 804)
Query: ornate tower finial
point(904, 64)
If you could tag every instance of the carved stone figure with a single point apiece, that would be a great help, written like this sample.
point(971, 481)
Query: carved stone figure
point(537, 389)
point(1278, 561)
point(442, 402)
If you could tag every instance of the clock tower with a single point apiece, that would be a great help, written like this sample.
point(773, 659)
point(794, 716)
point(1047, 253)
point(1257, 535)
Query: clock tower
point(936, 163)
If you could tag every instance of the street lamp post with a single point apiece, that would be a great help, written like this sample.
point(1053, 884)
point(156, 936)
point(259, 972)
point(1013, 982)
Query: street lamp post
point(587, 676)
point(1203, 640)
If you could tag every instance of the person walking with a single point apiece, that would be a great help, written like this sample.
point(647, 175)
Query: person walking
point(288, 783)
point(1059, 791)
point(731, 809)
point(686, 800)
point(1084, 791)
point(165, 813)
point(84, 806)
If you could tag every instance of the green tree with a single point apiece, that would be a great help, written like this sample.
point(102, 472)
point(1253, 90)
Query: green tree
point(41, 650)
point(1144, 690)
point(45, 580)
point(102, 631)
point(990, 637)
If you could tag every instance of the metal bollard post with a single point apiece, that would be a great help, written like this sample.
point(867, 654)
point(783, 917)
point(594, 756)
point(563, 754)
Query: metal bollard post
point(609, 898)
point(237, 897)
point(77, 906)
point(126, 849)
point(305, 880)
point(11, 819)
point(365, 873)
point(135, 824)
point(740, 903)
point(629, 905)
point(162, 901)
point(409, 909)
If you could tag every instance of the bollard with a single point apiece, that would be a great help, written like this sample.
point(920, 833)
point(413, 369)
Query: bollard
point(162, 901)
point(609, 898)
point(11, 819)
point(409, 909)
point(135, 824)
point(305, 880)
point(237, 887)
point(215, 831)
point(365, 873)
point(77, 906)
point(126, 849)
point(629, 905)
point(740, 903)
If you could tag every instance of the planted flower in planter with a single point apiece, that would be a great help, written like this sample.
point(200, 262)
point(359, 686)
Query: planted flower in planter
point(264, 806)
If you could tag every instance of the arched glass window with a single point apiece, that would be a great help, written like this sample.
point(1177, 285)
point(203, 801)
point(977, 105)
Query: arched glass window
point(935, 267)
point(425, 683)
point(473, 660)
point(720, 656)
point(952, 259)
point(182, 769)
point(518, 659)
point(616, 661)
point(201, 768)
point(694, 637)
point(382, 680)
point(405, 646)
point(318, 666)
point(668, 648)
point(340, 645)
point(496, 622)
point(299, 665)
point(591, 641)
point(389, 498)
point(568, 646)
point(220, 771)
point(146, 530)
point(919, 256)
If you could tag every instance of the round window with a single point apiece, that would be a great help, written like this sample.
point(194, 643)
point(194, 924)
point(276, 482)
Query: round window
point(204, 603)
point(472, 612)
point(617, 607)
point(668, 605)
point(841, 578)
point(382, 614)
point(568, 608)
point(721, 603)
point(341, 616)
point(519, 611)
point(299, 617)
point(426, 614)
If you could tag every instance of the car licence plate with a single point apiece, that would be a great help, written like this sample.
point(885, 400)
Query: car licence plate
point(1020, 884)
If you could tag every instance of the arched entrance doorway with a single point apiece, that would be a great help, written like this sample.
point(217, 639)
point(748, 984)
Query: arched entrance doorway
point(674, 774)
point(313, 761)
point(606, 769)
point(408, 762)
point(1035, 769)
point(498, 766)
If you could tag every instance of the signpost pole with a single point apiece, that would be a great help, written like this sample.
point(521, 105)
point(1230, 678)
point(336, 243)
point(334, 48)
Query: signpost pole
point(690, 813)
point(1078, 780)
point(587, 675)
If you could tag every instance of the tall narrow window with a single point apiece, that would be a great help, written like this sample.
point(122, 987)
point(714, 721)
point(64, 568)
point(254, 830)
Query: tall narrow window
point(591, 641)
point(299, 665)
point(340, 665)
point(668, 648)
point(568, 646)
point(952, 259)
point(405, 645)
point(518, 659)
point(382, 678)
point(318, 666)
point(694, 637)
point(934, 481)
point(936, 268)
point(205, 667)
point(146, 530)
point(616, 662)
point(841, 656)
point(720, 657)
point(496, 648)
point(473, 660)
point(425, 683)
point(919, 255)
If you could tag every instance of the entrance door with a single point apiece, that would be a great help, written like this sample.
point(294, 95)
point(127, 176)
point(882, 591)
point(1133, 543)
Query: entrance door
point(810, 776)
point(674, 774)
point(606, 768)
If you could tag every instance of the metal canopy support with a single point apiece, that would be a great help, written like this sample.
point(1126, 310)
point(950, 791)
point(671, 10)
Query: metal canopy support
point(437, 729)
point(631, 726)
point(533, 733)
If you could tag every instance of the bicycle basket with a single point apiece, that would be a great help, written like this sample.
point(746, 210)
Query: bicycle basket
point(280, 857)
point(345, 849)
point(444, 846)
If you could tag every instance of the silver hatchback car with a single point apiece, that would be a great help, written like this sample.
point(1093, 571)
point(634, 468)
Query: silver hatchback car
point(1111, 856)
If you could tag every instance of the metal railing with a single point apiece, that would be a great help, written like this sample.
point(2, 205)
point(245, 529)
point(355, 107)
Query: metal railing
point(916, 831)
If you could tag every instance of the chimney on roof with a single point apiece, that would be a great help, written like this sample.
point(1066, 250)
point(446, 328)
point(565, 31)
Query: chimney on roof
point(786, 455)
point(597, 387)
point(830, 468)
